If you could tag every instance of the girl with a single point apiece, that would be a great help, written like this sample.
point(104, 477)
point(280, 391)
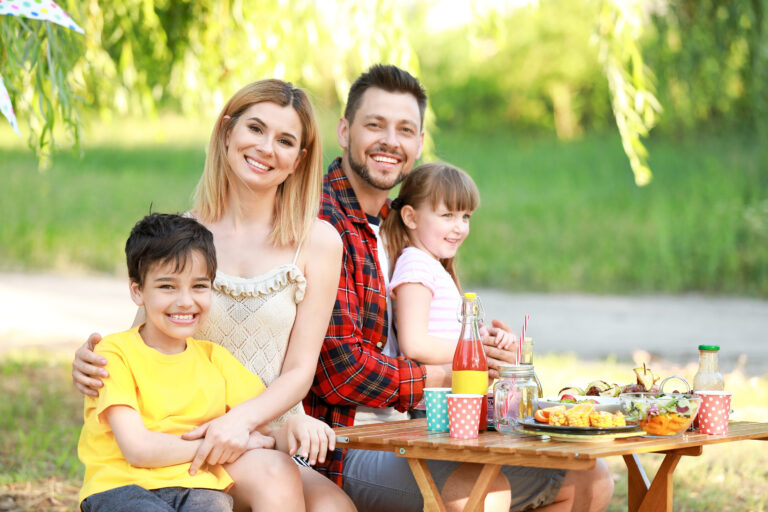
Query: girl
point(275, 288)
point(428, 225)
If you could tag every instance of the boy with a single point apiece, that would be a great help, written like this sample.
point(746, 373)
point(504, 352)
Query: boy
point(162, 382)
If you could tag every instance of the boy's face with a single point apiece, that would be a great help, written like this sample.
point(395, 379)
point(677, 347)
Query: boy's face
point(175, 302)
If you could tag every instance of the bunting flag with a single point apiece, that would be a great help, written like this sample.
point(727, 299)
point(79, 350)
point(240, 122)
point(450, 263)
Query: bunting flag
point(6, 108)
point(43, 10)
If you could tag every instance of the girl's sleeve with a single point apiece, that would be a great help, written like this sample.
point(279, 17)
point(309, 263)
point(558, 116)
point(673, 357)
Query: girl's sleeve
point(413, 267)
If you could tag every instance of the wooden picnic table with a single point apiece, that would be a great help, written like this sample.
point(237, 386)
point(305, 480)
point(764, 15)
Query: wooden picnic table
point(410, 439)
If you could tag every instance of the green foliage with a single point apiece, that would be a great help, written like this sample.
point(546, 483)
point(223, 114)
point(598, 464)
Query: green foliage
point(534, 69)
point(36, 59)
point(711, 60)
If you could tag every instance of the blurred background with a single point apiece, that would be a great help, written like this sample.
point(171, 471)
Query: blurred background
point(616, 145)
point(525, 95)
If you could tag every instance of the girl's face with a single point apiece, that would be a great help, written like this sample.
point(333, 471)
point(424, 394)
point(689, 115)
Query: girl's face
point(264, 146)
point(439, 231)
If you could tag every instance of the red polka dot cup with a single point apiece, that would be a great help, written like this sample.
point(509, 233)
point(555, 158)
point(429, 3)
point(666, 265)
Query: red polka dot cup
point(714, 411)
point(464, 415)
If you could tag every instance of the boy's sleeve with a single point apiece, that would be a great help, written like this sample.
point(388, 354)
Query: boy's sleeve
point(120, 387)
point(241, 383)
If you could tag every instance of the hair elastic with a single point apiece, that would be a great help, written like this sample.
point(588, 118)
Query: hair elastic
point(397, 203)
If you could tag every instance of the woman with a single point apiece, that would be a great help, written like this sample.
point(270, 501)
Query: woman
point(278, 272)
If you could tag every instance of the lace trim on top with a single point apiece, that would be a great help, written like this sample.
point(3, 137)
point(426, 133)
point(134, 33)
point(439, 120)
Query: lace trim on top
point(264, 284)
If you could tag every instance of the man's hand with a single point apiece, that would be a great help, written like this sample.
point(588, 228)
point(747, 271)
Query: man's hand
point(226, 438)
point(88, 367)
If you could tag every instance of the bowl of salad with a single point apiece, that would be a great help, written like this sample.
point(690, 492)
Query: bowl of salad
point(661, 414)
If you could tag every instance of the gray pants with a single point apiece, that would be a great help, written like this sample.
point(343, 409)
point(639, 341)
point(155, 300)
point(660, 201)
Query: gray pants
point(132, 498)
point(383, 482)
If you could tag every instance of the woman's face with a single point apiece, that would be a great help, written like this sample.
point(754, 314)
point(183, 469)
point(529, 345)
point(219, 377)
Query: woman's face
point(264, 146)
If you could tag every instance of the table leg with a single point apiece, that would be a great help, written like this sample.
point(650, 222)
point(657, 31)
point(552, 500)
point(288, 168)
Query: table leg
point(480, 489)
point(432, 500)
point(656, 497)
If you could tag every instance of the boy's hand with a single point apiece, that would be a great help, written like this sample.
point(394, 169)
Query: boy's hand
point(88, 367)
point(226, 438)
point(309, 437)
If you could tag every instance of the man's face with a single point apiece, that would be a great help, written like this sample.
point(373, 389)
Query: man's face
point(384, 139)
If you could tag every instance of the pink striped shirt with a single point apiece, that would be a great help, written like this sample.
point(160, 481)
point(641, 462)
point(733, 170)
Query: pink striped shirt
point(416, 266)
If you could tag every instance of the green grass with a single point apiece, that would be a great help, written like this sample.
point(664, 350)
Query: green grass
point(41, 415)
point(568, 217)
point(40, 419)
point(555, 216)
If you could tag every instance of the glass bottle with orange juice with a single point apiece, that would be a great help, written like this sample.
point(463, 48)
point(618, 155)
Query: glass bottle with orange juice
point(470, 367)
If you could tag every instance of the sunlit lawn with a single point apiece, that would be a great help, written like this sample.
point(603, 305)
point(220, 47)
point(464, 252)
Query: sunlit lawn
point(41, 414)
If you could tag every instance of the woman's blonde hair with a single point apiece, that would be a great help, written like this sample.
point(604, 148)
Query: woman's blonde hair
point(434, 183)
point(298, 197)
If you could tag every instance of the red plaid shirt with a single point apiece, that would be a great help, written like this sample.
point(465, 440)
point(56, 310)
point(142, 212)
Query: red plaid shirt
point(352, 370)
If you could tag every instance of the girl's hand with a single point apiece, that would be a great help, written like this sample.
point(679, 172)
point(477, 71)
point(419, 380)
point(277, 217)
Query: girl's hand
point(505, 340)
point(309, 437)
point(226, 438)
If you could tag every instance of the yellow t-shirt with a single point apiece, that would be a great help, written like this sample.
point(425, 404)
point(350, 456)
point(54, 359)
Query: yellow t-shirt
point(174, 394)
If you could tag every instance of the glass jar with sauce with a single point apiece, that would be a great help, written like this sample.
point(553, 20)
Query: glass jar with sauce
point(708, 376)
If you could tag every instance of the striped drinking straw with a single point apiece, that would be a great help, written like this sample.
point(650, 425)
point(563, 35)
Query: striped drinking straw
point(522, 339)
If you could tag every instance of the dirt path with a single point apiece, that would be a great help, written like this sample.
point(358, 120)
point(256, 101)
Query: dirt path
point(59, 312)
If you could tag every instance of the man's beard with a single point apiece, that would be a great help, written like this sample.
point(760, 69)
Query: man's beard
point(361, 170)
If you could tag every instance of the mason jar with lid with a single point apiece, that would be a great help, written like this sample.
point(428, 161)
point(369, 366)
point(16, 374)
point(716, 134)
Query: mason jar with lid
point(515, 397)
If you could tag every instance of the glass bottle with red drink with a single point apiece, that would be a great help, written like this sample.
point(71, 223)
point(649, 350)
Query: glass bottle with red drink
point(470, 367)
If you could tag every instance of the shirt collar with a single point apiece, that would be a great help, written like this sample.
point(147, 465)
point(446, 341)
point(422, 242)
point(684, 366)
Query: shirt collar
point(346, 194)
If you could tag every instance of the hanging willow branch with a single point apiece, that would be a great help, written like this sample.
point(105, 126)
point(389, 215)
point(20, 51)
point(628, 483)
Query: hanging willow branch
point(633, 100)
point(35, 63)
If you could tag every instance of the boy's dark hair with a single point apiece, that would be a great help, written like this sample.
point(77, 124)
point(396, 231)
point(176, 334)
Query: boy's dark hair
point(165, 237)
point(389, 78)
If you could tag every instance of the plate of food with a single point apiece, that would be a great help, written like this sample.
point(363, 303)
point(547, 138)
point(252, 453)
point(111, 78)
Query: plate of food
point(579, 418)
point(601, 403)
point(532, 424)
point(585, 437)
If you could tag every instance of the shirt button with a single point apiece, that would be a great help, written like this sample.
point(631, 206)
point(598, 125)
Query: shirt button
point(379, 344)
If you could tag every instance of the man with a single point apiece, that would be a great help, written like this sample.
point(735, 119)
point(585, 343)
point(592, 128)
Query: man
point(381, 136)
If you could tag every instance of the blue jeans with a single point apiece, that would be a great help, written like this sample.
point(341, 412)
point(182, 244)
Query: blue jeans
point(132, 498)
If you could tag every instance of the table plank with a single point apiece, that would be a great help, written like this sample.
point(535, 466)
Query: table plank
point(413, 434)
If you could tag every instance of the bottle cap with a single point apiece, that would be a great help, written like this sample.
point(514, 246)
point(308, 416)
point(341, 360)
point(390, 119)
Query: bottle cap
point(470, 295)
point(713, 348)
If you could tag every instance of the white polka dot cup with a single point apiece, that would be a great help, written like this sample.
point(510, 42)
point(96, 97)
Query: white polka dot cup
point(714, 411)
point(436, 400)
point(464, 415)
